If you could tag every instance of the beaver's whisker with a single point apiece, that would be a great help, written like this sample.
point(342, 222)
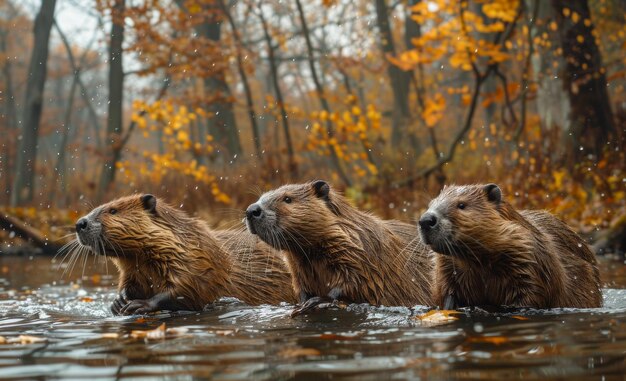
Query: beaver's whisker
point(302, 249)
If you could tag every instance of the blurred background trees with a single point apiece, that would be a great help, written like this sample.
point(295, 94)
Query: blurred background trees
point(207, 101)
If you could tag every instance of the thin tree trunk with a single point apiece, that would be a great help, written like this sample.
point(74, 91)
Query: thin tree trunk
point(367, 146)
point(322, 97)
point(222, 124)
point(293, 168)
point(10, 113)
point(116, 96)
point(584, 79)
point(399, 79)
point(526, 74)
point(244, 81)
point(60, 167)
point(23, 187)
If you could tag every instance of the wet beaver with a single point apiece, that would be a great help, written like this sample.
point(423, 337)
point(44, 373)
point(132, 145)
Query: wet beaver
point(335, 251)
point(168, 260)
point(491, 255)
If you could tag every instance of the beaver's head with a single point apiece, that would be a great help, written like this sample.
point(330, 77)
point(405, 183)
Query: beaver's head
point(294, 216)
point(463, 220)
point(120, 227)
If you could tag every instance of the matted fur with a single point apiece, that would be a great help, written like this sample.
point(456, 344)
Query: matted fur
point(165, 250)
point(335, 250)
point(489, 254)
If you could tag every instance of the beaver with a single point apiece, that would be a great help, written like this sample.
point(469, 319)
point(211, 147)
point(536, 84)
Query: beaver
point(335, 251)
point(170, 261)
point(489, 254)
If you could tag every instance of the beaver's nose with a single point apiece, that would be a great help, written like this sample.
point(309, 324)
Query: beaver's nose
point(428, 221)
point(81, 224)
point(254, 211)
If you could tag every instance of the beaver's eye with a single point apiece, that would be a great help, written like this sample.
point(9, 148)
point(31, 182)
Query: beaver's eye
point(112, 210)
point(287, 199)
point(461, 205)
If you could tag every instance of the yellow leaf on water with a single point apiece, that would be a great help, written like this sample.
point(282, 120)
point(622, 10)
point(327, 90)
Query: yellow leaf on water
point(26, 339)
point(157, 333)
point(497, 340)
point(225, 332)
point(299, 352)
point(437, 317)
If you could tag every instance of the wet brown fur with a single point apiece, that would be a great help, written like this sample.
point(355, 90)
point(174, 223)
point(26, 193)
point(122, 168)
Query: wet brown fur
point(502, 257)
point(168, 251)
point(332, 245)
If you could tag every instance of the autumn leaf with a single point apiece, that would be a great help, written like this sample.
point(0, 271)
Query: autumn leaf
point(157, 333)
point(519, 317)
point(434, 109)
point(27, 339)
point(299, 352)
point(438, 317)
point(496, 340)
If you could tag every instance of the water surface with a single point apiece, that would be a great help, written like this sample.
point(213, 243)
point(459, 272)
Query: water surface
point(62, 328)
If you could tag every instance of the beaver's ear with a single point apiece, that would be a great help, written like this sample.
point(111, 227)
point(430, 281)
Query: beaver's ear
point(322, 189)
point(149, 202)
point(494, 194)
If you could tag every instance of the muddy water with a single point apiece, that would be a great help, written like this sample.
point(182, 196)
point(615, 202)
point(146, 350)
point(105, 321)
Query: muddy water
point(61, 328)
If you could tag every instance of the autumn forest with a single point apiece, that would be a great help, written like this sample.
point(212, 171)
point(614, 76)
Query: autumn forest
point(207, 103)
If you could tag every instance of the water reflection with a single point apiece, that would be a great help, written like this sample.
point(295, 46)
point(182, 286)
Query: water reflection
point(63, 328)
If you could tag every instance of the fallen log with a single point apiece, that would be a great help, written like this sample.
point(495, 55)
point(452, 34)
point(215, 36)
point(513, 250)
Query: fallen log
point(28, 233)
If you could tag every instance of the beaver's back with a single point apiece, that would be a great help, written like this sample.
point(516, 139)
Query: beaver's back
point(579, 262)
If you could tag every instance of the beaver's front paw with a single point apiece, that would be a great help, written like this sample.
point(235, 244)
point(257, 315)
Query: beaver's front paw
point(139, 307)
point(120, 302)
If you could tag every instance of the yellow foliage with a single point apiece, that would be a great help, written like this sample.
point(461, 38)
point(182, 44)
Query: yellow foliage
point(504, 10)
point(174, 121)
point(434, 109)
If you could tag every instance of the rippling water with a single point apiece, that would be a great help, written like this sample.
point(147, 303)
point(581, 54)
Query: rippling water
point(62, 328)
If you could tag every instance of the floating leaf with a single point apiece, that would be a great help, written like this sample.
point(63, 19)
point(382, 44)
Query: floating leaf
point(438, 317)
point(157, 333)
point(299, 352)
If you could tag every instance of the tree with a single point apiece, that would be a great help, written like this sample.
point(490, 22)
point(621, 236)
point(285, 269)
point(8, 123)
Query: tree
point(584, 79)
point(113, 141)
point(244, 79)
point(271, 56)
point(23, 187)
point(320, 94)
point(9, 110)
point(221, 121)
point(400, 79)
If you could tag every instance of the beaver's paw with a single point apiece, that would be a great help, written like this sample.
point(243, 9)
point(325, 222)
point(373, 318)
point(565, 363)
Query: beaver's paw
point(138, 307)
point(119, 303)
point(310, 304)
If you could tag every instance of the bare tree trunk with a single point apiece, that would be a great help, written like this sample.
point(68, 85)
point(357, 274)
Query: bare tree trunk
point(222, 124)
point(367, 146)
point(584, 79)
point(399, 79)
point(552, 103)
point(116, 97)
point(293, 168)
point(23, 187)
point(244, 81)
point(60, 167)
point(10, 113)
point(320, 93)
